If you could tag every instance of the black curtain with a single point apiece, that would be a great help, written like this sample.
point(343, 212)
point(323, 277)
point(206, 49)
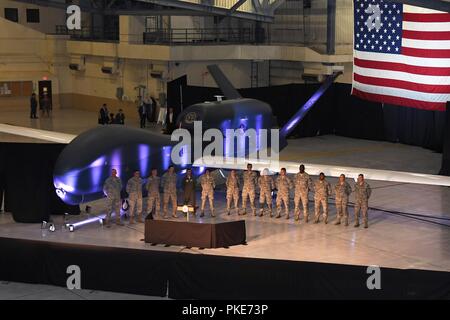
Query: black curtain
point(177, 89)
point(26, 174)
point(414, 126)
point(338, 112)
point(445, 168)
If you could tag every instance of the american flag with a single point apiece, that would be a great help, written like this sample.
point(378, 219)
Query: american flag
point(401, 54)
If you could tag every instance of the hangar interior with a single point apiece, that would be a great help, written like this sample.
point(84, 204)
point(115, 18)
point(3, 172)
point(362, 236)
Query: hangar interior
point(278, 51)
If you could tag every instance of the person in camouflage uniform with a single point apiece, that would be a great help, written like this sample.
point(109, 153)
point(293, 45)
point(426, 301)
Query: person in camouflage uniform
point(342, 190)
point(208, 184)
point(303, 184)
point(266, 185)
point(249, 189)
point(232, 191)
point(362, 195)
point(153, 197)
point(112, 188)
point(283, 184)
point(169, 186)
point(134, 190)
point(322, 190)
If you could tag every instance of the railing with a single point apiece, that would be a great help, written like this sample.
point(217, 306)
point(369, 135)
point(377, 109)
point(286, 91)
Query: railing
point(198, 36)
point(212, 36)
point(294, 36)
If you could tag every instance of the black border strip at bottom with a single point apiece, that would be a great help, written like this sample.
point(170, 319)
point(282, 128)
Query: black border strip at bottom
point(197, 276)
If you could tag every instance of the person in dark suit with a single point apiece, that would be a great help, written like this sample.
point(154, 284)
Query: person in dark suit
point(154, 106)
point(142, 114)
point(111, 118)
point(33, 106)
point(120, 117)
point(188, 184)
point(148, 109)
point(103, 115)
point(170, 121)
point(153, 114)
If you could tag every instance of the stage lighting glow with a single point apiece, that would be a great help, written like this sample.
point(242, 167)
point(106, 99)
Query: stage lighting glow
point(98, 163)
point(96, 170)
point(88, 221)
point(144, 154)
point(52, 227)
point(71, 228)
point(166, 151)
point(64, 187)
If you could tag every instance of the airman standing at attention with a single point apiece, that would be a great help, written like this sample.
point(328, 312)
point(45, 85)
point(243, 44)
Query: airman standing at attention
point(322, 190)
point(134, 190)
point(208, 184)
point(302, 184)
point(232, 191)
point(153, 198)
point(283, 184)
point(342, 190)
point(362, 195)
point(112, 188)
point(266, 185)
point(249, 189)
point(169, 186)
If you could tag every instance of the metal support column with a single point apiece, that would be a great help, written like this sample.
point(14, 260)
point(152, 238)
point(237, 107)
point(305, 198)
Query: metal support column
point(331, 26)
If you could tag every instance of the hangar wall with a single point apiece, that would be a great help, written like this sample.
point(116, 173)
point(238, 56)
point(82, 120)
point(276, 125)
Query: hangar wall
point(30, 55)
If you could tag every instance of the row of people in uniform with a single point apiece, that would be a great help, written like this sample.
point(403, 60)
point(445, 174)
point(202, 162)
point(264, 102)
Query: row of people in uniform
point(301, 184)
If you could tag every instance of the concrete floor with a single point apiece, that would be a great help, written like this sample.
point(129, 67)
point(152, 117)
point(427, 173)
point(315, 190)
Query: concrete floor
point(392, 240)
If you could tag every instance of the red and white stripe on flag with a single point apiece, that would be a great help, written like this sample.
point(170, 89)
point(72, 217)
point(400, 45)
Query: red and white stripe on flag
point(417, 75)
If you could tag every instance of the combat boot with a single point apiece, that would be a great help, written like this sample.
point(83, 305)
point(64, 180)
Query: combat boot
point(261, 212)
point(316, 220)
point(254, 212)
point(202, 214)
point(228, 212)
point(337, 222)
point(356, 225)
point(366, 224)
point(326, 220)
point(287, 216)
point(297, 217)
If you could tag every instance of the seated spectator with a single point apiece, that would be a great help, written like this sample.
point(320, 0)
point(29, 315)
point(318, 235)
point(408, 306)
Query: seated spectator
point(120, 117)
point(111, 118)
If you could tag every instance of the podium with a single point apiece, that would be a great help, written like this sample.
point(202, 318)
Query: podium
point(195, 234)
